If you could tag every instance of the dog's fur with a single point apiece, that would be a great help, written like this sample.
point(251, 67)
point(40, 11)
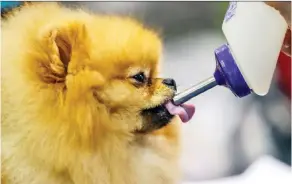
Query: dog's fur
point(71, 110)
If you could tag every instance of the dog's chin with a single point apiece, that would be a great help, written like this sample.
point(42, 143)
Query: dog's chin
point(154, 119)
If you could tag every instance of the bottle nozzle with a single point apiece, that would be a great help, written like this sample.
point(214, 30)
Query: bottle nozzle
point(226, 74)
point(193, 91)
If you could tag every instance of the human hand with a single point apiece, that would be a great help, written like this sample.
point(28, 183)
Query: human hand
point(285, 9)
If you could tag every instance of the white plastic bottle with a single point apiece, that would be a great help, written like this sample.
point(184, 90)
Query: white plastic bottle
point(255, 33)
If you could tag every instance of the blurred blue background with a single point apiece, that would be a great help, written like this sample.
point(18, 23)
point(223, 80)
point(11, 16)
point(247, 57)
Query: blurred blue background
point(227, 134)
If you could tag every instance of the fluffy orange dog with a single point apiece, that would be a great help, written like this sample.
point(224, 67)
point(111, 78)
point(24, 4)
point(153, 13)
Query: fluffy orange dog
point(81, 101)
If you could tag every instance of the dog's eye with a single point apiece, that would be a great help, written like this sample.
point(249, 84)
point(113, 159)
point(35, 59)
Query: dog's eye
point(140, 77)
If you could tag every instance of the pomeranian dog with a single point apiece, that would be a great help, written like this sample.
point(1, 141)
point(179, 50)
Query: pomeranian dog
point(82, 102)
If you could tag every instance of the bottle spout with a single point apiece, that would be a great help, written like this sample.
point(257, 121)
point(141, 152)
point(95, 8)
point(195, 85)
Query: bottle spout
point(194, 91)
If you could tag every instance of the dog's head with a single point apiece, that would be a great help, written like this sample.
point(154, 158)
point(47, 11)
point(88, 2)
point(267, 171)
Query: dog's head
point(105, 71)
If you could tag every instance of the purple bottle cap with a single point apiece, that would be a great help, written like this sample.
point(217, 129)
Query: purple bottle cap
point(227, 73)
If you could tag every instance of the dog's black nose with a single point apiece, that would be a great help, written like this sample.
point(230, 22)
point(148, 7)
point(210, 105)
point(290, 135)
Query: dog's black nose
point(170, 83)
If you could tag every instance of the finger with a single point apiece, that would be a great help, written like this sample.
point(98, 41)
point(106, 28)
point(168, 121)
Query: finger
point(284, 8)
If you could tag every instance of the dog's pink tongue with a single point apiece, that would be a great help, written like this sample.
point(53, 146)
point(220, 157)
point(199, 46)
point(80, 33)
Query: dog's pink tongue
point(184, 111)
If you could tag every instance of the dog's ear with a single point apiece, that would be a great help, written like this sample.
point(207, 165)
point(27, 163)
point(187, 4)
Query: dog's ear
point(62, 45)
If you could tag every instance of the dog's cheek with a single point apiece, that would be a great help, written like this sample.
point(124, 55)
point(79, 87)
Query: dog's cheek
point(115, 94)
point(80, 86)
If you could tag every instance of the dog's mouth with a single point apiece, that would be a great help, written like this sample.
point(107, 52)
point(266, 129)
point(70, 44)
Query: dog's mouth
point(184, 111)
point(159, 116)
